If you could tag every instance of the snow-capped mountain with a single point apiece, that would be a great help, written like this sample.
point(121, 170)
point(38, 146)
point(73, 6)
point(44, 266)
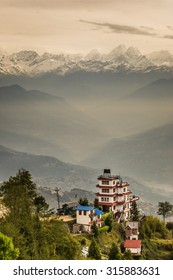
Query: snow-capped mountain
point(161, 58)
point(119, 59)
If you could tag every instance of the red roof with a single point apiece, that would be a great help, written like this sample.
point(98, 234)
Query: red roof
point(132, 244)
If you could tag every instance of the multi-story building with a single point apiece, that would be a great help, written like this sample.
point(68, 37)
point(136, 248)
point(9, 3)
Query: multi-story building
point(114, 195)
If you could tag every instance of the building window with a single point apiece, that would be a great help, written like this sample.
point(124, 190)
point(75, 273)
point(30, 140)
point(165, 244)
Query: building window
point(105, 190)
point(80, 212)
point(105, 182)
point(104, 198)
point(124, 189)
point(84, 212)
point(113, 190)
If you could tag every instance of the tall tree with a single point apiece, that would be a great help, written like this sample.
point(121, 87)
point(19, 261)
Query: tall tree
point(134, 212)
point(114, 253)
point(20, 197)
point(94, 251)
point(165, 209)
point(95, 229)
point(21, 190)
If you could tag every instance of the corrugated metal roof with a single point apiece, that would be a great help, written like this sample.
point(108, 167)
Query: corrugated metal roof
point(98, 212)
point(84, 208)
point(89, 208)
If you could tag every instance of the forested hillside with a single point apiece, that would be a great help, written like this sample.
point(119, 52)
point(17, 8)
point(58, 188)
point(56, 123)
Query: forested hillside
point(30, 231)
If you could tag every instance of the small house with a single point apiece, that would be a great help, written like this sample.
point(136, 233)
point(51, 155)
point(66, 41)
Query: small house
point(134, 246)
point(131, 230)
point(86, 216)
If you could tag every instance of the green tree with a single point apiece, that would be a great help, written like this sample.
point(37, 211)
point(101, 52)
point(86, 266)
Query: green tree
point(40, 203)
point(134, 212)
point(61, 244)
point(96, 203)
point(109, 221)
point(114, 253)
point(94, 251)
point(128, 255)
point(95, 229)
point(165, 209)
point(24, 179)
point(19, 195)
point(7, 250)
point(169, 225)
point(83, 201)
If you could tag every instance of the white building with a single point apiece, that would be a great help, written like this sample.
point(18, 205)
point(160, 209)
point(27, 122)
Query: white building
point(134, 246)
point(86, 216)
point(114, 195)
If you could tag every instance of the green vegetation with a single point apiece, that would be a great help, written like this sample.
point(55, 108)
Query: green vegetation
point(165, 209)
point(114, 253)
point(83, 202)
point(28, 232)
point(7, 250)
point(94, 250)
point(35, 237)
point(134, 212)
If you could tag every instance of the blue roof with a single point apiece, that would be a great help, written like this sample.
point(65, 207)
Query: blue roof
point(85, 208)
point(98, 212)
point(89, 208)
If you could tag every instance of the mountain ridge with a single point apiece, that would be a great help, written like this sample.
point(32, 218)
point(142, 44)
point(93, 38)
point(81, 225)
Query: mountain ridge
point(119, 59)
point(147, 155)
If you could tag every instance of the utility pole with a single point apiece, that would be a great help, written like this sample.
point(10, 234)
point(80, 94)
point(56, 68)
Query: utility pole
point(57, 194)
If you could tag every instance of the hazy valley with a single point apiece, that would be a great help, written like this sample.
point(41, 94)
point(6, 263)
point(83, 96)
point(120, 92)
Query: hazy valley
point(60, 113)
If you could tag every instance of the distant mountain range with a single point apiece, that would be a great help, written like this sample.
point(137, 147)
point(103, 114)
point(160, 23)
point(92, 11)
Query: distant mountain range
point(96, 110)
point(119, 59)
point(147, 155)
point(161, 89)
point(40, 123)
point(74, 181)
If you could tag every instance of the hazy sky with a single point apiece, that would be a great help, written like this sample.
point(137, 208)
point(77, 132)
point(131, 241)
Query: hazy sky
point(82, 25)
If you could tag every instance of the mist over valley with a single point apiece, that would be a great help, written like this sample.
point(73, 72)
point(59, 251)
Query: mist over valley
point(93, 112)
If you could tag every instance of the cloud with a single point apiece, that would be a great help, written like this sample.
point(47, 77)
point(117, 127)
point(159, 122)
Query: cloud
point(117, 28)
point(169, 27)
point(168, 37)
point(147, 28)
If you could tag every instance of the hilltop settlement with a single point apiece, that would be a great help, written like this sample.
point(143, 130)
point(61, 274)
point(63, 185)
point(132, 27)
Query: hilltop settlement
point(110, 227)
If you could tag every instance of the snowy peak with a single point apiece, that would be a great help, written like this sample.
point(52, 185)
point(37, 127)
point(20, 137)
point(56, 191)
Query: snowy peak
point(161, 58)
point(132, 52)
point(93, 55)
point(130, 59)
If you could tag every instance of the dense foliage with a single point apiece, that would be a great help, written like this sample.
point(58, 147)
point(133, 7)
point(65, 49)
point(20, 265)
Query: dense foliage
point(35, 237)
point(7, 250)
point(26, 232)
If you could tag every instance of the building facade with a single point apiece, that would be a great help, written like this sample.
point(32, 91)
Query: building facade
point(132, 230)
point(114, 195)
point(134, 246)
point(86, 216)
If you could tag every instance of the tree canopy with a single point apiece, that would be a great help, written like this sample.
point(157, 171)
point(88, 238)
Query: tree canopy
point(165, 209)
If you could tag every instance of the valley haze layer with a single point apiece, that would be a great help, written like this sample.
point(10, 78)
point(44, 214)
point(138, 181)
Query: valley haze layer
point(96, 110)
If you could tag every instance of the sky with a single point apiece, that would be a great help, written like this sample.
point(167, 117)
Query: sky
point(79, 26)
